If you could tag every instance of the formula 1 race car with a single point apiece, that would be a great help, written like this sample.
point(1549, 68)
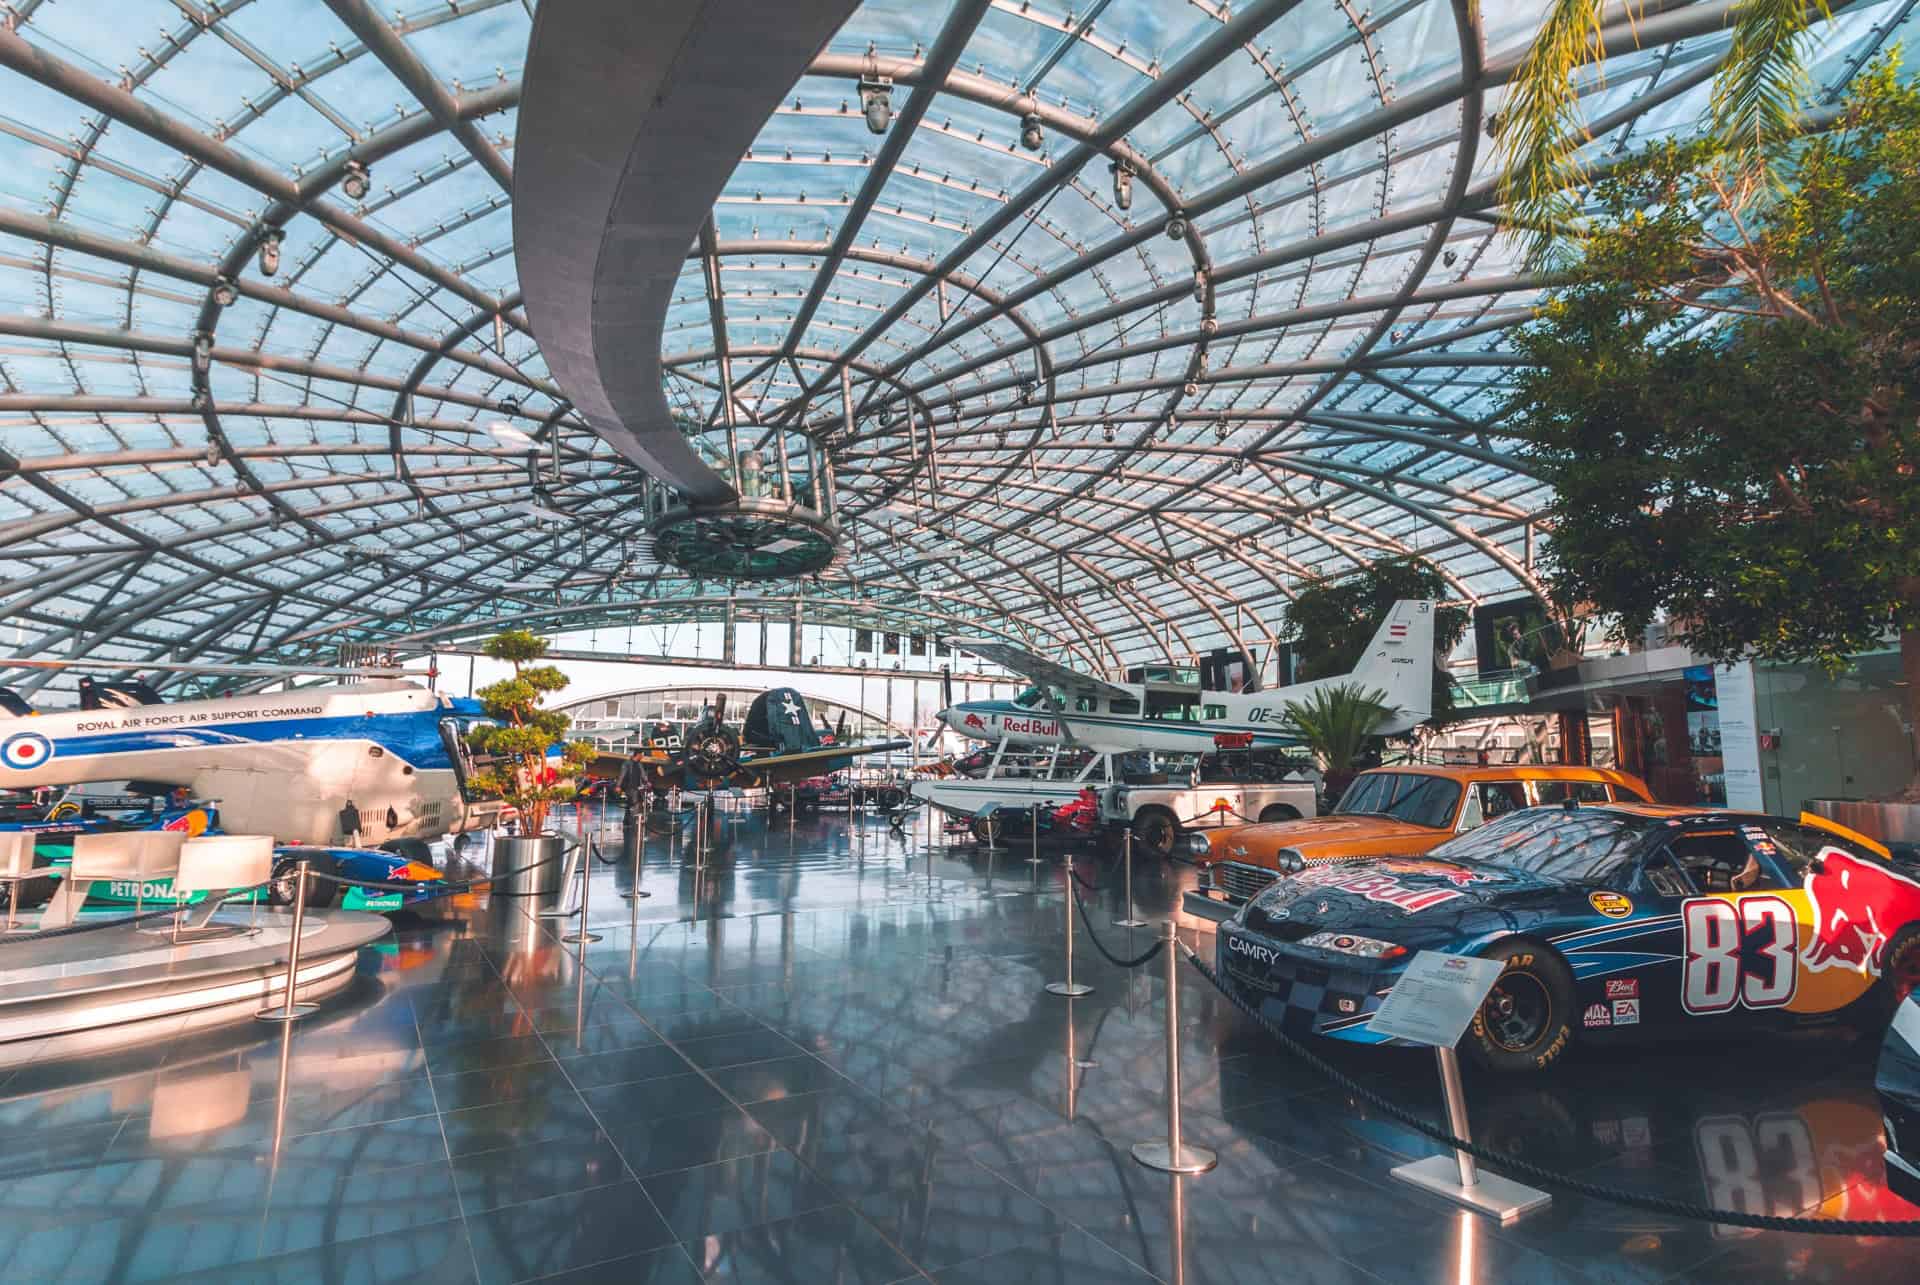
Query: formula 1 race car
point(55, 823)
point(1615, 922)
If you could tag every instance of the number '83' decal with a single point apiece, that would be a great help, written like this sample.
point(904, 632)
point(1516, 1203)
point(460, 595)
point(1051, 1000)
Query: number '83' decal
point(1743, 953)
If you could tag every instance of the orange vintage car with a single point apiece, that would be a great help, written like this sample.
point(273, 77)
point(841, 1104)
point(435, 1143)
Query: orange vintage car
point(1386, 812)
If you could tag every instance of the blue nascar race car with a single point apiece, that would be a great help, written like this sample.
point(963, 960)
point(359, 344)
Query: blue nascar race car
point(1616, 922)
point(56, 822)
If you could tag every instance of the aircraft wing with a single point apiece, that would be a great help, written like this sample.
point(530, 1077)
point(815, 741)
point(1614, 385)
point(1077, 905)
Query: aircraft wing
point(825, 753)
point(1039, 670)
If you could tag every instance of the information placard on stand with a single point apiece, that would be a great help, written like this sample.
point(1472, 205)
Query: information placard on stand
point(1435, 999)
point(1433, 1003)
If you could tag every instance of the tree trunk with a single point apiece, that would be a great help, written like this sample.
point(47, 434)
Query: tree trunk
point(1910, 675)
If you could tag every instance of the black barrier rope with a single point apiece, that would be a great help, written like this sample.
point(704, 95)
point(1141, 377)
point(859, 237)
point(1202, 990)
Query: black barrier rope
point(95, 925)
point(462, 885)
point(1548, 1177)
point(1073, 888)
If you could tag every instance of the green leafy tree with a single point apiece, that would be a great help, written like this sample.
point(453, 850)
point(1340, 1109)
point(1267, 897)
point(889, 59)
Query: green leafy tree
point(522, 733)
point(1338, 724)
point(1752, 115)
point(1724, 400)
point(1330, 624)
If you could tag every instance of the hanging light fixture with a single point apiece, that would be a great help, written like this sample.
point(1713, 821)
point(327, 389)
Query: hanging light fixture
point(357, 182)
point(270, 242)
point(224, 293)
point(1122, 184)
point(876, 101)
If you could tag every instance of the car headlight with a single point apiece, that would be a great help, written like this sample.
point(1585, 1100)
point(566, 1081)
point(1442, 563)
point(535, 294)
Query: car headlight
point(1290, 861)
point(1348, 944)
point(1197, 845)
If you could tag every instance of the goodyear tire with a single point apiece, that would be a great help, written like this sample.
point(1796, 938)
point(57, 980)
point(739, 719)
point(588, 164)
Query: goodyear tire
point(1278, 812)
point(1526, 1022)
point(1899, 977)
point(1155, 832)
point(986, 830)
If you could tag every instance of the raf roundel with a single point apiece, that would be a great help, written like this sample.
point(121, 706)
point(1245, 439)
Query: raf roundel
point(27, 749)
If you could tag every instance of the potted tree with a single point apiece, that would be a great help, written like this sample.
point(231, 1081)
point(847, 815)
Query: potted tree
point(519, 766)
point(1336, 723)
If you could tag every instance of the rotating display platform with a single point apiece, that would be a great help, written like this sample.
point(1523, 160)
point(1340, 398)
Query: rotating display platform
point(123, 985)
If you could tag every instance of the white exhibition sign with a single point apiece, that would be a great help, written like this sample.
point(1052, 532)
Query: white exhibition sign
point(1739, 736)
point(1436, 998)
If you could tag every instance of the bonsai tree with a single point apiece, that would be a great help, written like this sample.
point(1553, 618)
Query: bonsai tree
point(1726, 398)
point(521, 770)
point(1338, 723)
point(1330, 624)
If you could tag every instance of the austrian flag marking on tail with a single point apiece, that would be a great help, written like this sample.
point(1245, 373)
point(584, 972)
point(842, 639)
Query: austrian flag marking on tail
point(1397, 631)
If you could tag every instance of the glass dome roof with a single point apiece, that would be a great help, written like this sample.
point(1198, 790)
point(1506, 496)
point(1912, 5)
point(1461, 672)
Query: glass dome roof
point(1070, 422)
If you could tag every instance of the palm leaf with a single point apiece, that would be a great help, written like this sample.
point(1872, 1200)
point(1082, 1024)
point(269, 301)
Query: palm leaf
point(1757, 93)
point(1337, 722)
point(1541, 128)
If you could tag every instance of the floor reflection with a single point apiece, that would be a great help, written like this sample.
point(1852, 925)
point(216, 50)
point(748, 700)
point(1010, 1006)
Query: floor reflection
point(823, 1052)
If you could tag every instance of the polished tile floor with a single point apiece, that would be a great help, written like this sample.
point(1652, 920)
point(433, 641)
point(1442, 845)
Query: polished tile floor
point(823, 1054)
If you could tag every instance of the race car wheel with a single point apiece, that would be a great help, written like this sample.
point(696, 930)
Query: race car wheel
point(1526, 1022)
point(1277, 812)
point(890, 798)
point(411, 849)
point(986, 830)
point(1154, 833)
point(1899, 978)
point(320, 892)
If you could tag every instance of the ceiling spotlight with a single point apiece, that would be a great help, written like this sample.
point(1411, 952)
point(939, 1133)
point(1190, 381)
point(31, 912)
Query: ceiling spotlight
point(357, 182)
point(1122, 184)
point(213, 453)
point(1030, 136)
point(1176, 226)
point(1239, 463)
point(1200, 287)
point(1028, 389)
point(1220, 430)
point(1450, 258)
point(223, 292)
point(1106, 431)
point(200, 399)
point(509, 406)
point(270, 252)
point(202, 351)
point(876, 100)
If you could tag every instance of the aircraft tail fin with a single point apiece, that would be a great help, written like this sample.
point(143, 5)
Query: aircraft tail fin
point(1399, 661)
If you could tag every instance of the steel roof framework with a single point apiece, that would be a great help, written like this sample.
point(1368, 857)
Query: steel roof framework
point(1048, 418)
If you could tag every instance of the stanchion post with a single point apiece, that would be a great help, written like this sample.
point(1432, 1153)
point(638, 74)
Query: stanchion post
point(290, 1010)
point(636, 892)
point(1126, 876)
point(1173, 1155)
point(582, 936)
point(1034, 820)
point(1459, 1179)
point(1069, 988)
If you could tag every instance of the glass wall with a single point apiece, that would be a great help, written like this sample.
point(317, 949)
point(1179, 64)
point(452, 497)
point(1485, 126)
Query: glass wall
point(1839, 737)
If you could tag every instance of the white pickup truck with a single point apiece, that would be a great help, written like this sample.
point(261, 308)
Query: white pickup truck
point(1161, 806)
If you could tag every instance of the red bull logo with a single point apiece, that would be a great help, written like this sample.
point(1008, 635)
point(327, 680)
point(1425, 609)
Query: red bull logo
point(1857, 907)
point(974, 721)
